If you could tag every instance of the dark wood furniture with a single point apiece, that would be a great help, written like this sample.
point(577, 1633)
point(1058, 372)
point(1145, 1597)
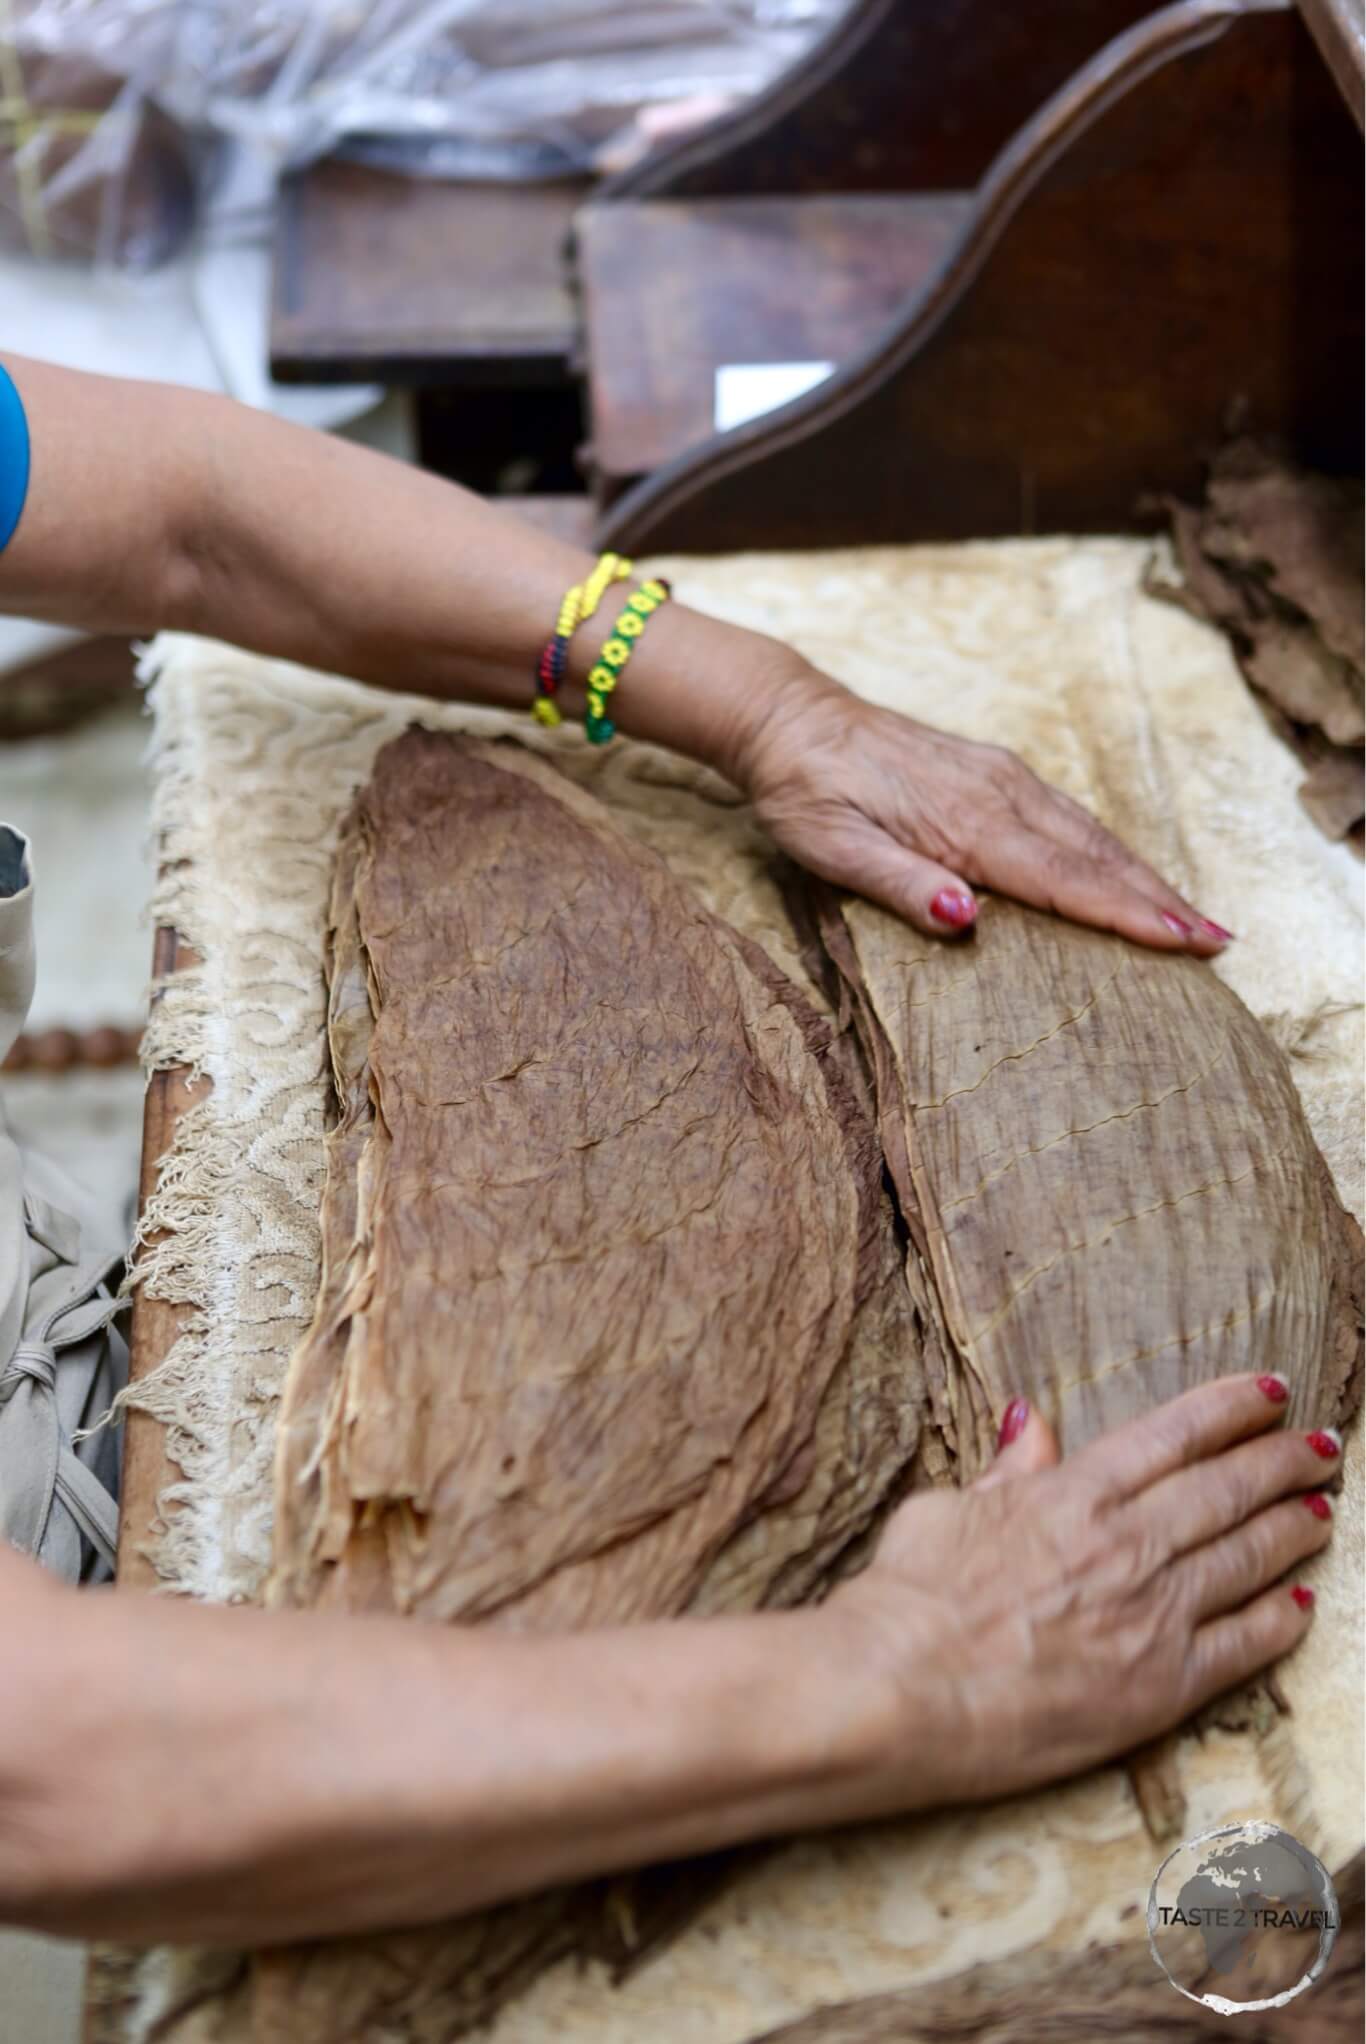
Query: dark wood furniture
point(1339, 29)
point(897, 96)
point(1173, 237)
point(415, 281)
point(458, 292)
point(672, 289)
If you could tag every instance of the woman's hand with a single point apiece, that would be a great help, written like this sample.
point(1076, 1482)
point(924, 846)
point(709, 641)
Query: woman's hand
point(1053, 1616)
point(913, 818)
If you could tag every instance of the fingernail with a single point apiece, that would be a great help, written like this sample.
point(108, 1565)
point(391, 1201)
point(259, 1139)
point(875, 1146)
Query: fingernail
point(1182, 929)
point(953, 908)
point(1273, 1387)
point(1216, 930)
point(1326, 1442)
point(1318, 1504)
point(1013, 1423)
point(1303, 1597)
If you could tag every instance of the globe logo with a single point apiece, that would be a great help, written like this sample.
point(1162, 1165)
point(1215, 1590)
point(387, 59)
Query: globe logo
point(1242, 1918)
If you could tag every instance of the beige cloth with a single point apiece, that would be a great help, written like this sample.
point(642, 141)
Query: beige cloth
point(1048, 646)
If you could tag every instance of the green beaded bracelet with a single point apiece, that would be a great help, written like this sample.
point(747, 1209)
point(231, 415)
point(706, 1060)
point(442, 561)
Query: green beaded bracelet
point(615, 653)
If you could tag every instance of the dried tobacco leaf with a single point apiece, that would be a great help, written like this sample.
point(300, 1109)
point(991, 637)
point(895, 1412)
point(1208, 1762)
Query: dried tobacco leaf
point(1108, 1176)
point(1109, 1186)
point(612, 1322)
point(1274, 558)
point(1111, 1190)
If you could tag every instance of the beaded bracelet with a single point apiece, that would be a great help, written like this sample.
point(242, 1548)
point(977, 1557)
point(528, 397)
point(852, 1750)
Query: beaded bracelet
point(616, 651)
point(578, 606)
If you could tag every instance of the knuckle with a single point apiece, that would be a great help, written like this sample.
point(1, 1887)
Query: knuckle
point(1156, 1628)
point(1174, 1432)
point(1145, 1558)
point(1204, 1670)
point(1087, 1527)
point(1104, 850)
point(1237, 1491)
point(1255, 1556)
point(1004, 771)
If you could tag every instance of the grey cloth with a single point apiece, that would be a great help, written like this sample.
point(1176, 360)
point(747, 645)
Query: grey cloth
point(61, 1358)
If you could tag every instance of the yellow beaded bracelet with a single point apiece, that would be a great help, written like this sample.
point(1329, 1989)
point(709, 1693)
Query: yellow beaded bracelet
point(577, 606)
point(616, 651)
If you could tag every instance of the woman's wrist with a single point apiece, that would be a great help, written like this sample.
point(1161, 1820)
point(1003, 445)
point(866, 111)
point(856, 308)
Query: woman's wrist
point(701, 687)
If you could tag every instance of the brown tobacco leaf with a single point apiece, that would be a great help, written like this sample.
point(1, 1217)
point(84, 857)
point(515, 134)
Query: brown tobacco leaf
point(1301, 532)
point(1274, 558)
point(1110, 1185)
point(1294, 669)
point(1108, 1994)
point(612, 1322)
point(1107, 1174)
point(1335, 793)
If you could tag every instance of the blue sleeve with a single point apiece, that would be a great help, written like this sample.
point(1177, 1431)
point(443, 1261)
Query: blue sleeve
point(13, 457)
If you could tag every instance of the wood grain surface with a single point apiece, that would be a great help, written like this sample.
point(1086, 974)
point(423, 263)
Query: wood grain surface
point(897, 96)
point(155, 1324)
point(402, 280)
point(1176, 236)
point(671, 290)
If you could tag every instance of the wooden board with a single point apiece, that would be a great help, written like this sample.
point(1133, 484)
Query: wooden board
point(673, 289)
point(897, 96)
point(147, 1468)
point(385, 278)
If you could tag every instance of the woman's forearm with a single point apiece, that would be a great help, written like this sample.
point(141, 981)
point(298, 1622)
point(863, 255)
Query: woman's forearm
point(151, 507)
point(285, 1776)
point(171, 1772)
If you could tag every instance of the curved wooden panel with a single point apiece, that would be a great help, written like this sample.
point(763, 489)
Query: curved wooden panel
point(898, 95)
point(1177, 232)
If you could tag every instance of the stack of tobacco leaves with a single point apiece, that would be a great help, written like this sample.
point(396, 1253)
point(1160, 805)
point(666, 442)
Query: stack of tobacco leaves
point(1274, 558)
point(618, 1319)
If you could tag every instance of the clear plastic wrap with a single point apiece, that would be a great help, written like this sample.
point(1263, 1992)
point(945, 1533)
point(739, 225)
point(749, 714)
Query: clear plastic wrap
point(116, 115)
point(90, 165)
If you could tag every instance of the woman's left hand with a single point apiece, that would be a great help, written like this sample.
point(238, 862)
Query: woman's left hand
point(914, 819)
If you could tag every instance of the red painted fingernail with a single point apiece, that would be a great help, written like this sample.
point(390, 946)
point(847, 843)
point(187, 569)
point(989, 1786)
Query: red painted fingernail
point(1326, 1443)
point(1318, 1504)
point(1182, 929)
point(1273, 1387)
point(957, 910)
point(1013, 1423)
point(1303, 1597)
point(1216, 930)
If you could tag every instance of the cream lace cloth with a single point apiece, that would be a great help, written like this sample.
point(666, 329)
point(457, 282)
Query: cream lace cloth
point(1047, 646)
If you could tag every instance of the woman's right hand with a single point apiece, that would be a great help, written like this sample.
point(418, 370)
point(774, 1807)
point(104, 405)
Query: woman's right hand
point(1057, 1614)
